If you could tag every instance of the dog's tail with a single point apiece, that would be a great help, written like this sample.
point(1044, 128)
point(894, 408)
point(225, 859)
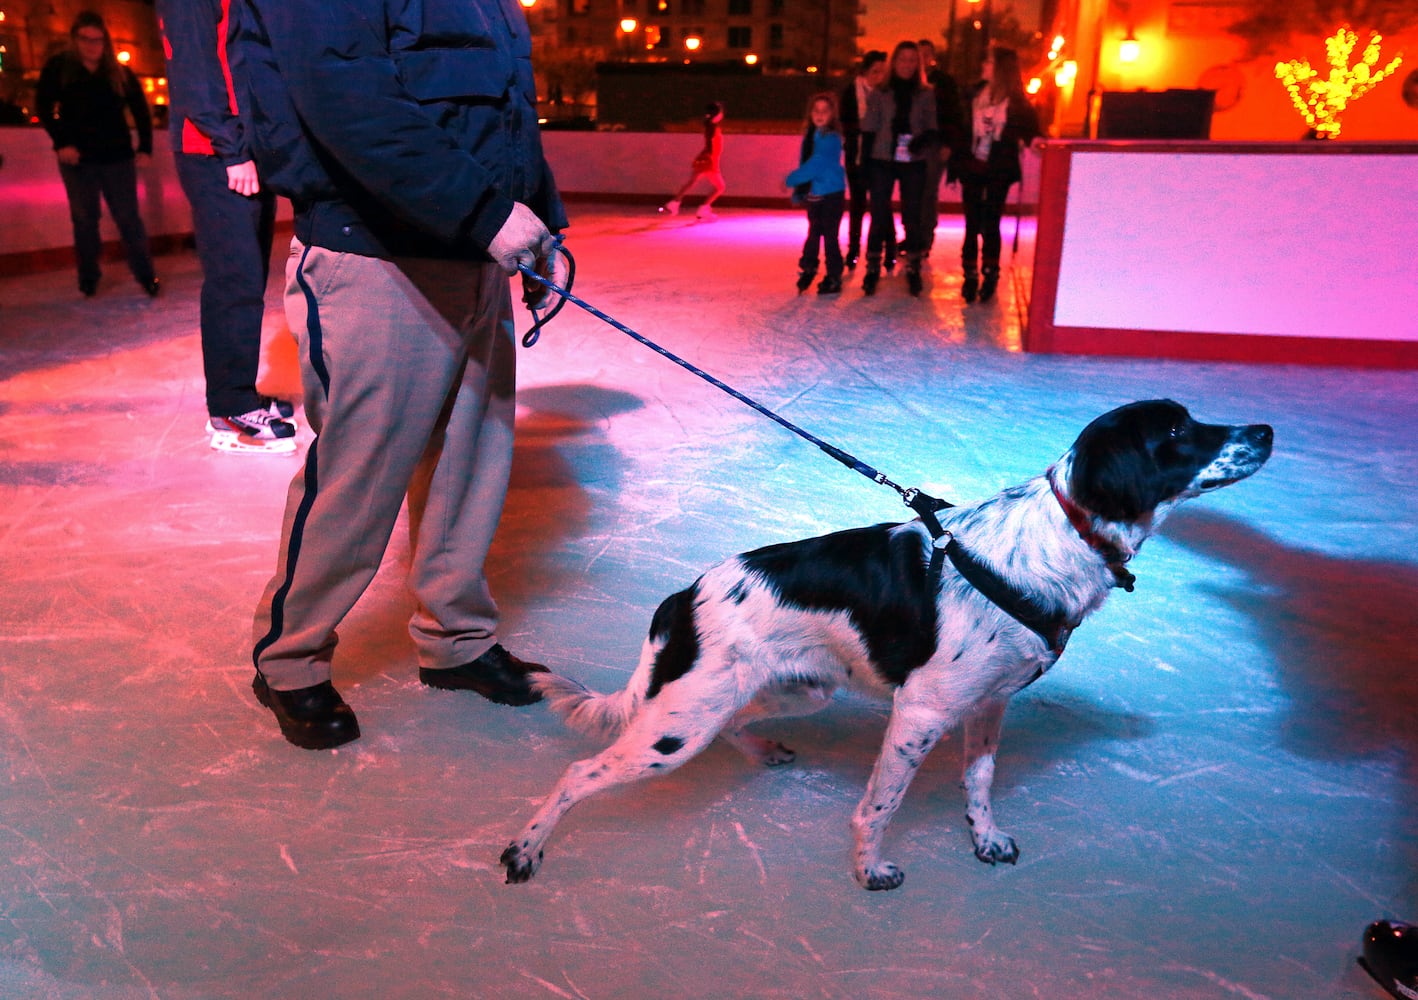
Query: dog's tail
point(586, 711)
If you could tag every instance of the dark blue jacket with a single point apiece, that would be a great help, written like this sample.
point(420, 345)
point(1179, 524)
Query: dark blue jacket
point(201, 118)
point(396, 127)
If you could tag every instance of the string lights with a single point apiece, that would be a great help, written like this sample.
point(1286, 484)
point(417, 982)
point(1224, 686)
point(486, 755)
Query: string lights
point(1321, 102)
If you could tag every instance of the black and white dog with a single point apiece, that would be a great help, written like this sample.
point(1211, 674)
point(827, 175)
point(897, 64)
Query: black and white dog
point(775, 631)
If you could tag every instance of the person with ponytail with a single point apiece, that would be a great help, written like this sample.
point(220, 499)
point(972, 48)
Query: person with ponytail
point(1002, 122)
point(82, 95)
point(819, 183)
point(901, 122)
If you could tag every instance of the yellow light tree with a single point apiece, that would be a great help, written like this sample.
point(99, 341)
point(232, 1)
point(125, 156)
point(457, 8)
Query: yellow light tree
point(1321, 102)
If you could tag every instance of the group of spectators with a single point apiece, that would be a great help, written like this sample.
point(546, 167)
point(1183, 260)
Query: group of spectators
point(896, 129)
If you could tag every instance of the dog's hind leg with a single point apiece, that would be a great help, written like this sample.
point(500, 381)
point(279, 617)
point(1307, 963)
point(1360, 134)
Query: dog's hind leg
point(783, 701)
point(910, 735)
point(670, 729)
point(982, 730)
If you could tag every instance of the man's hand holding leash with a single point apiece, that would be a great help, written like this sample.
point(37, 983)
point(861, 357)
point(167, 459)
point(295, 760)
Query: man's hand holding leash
point(524, 240)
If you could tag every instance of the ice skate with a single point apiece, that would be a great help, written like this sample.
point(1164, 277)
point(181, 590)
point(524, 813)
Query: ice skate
point(281, 408)
point(989, 284)
point(670, 207)
point(255, 432)
point(705, 214)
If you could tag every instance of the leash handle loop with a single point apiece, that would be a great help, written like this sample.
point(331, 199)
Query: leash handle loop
point(530, 338)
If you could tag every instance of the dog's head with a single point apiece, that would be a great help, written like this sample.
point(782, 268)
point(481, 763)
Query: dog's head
point(1139, 457)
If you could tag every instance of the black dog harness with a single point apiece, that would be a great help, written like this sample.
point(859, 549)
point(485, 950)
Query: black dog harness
point(1054, 627)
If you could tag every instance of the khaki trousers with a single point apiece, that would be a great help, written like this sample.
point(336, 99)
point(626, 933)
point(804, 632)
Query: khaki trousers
point(409, 370)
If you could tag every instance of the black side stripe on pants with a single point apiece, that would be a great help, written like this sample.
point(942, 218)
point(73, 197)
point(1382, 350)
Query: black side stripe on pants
point(312, 473)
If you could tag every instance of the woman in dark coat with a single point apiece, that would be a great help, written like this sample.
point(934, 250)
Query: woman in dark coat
point(81, 99)
point(1002, 122)
point(897, 132)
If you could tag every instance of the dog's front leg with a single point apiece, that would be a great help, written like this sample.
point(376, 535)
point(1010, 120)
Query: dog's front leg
point(982, 731)
point(910, 735)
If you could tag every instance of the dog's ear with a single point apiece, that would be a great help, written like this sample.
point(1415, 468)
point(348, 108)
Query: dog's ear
point(1115, 469)
point(1109, 482)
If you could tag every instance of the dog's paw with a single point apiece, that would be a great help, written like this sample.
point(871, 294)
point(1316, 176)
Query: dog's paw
point(774, 754)
point(520, 865)
point(761, 751)
point(996, 847)
point(880, 877)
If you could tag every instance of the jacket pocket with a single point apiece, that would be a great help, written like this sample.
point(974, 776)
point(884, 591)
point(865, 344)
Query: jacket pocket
point(450, 74)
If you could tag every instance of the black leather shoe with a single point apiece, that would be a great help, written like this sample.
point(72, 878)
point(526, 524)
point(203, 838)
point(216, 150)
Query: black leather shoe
point(971, 287)
point(88, 288)
point(497, 675)
point(1391, 956)
point(313, 718)
point(913, 281)
point(870, 279)
point(152, 286)
point(988, 285)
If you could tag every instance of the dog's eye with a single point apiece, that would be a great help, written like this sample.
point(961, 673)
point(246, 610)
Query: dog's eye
point(1175, 431)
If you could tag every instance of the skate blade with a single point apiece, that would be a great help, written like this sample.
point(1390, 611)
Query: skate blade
point(245, 444)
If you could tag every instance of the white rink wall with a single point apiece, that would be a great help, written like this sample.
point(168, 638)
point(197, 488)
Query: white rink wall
point(620, 166)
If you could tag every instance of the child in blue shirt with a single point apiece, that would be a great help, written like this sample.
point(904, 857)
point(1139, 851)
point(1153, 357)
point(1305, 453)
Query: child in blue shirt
point(820, 183)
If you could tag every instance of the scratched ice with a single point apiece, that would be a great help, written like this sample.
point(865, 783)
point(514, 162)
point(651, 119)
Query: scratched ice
point(1213, 792)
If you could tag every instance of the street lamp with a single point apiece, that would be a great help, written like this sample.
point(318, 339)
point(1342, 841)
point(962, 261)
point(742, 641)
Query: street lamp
point(1129, 48)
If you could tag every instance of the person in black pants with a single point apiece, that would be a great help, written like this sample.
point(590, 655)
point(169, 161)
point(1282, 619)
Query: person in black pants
point(901, 123)
point(233, 218)
point(1002, 122)
point(851, 106)
point(817, 184)
point(81, 99)
point(950, 126)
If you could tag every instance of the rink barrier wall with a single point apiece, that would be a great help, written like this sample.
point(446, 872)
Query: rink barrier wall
point(630, 168)
point(1293, 253)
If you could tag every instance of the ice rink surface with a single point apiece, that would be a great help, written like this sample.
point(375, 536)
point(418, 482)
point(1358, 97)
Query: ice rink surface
point(1213, 792)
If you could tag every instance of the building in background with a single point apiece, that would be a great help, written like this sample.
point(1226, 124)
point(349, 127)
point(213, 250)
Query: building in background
point(578, 42)
point(1227, 47)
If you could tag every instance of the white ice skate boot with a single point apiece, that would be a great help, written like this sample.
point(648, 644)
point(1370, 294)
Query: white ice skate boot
point(670, 207)
point(255, 432)
point(705, 214)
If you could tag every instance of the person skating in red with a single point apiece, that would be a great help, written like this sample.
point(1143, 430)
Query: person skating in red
point(704, 167)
